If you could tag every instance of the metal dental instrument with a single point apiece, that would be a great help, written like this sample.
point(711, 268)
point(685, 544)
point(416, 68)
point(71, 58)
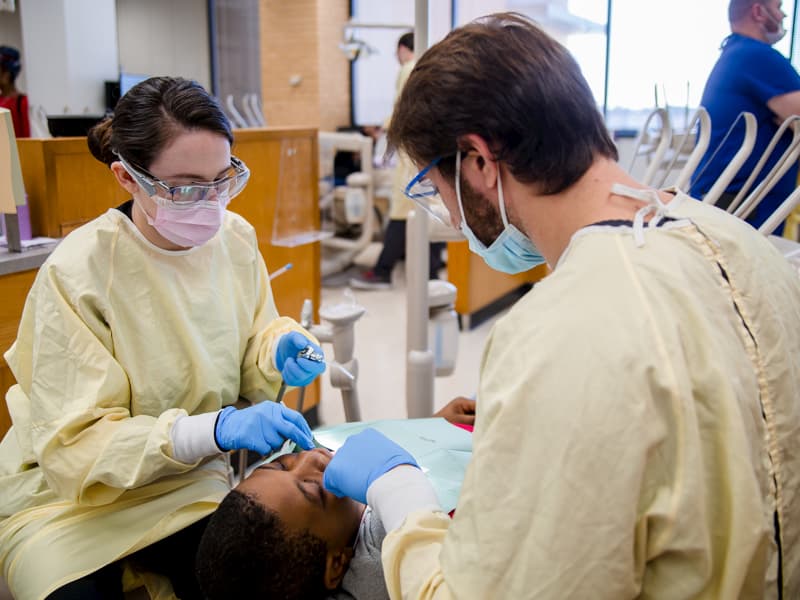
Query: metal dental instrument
point(309, 354)
point(281, 392)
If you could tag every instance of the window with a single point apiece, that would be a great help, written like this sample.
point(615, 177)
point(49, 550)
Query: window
point(659, 53)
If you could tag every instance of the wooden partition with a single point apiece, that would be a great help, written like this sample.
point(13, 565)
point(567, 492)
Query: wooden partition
point(13, 290)
point(67, 187)
point(65, 184)
point(479, 285)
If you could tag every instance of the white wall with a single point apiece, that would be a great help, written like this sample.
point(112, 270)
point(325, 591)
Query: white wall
point(92, 46)
point(375, 76)
point(67, 54)
point(11, 35)
point(158, 37)
point(69, 50)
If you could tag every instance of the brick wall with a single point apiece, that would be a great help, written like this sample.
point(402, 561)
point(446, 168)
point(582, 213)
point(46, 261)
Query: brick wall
point(334, 68)
point(299, 41)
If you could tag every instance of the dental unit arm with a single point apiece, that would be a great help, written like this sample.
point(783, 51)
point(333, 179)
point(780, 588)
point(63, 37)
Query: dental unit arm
point(339, 331)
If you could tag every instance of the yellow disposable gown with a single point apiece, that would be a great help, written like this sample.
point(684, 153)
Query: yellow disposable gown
point(118, 338)
point(637, 429)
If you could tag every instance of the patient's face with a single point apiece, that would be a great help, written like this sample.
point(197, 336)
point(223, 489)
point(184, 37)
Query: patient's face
point(291, 486)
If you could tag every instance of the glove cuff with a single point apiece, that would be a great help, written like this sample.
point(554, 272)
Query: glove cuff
point(396, 494)
point(275, 355)
point(193, 437)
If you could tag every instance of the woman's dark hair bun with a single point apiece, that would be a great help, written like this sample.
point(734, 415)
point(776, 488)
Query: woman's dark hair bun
point(99, 140)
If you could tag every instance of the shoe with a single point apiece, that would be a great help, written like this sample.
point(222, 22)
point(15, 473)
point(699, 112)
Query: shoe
point(369, 281)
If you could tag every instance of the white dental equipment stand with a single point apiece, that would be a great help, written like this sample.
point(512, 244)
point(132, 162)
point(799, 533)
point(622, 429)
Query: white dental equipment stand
point(339, 253)
point(340, 332)
point(419, 358)
point(420, 231)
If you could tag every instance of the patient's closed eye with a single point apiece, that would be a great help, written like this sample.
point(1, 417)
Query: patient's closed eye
point(274, 466)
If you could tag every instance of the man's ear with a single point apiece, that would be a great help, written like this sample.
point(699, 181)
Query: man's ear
point(478, 163)
point(124, 178)
point(336, 563)
point(760, 13)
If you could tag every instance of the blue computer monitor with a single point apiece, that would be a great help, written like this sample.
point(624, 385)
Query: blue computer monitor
point(128, 80)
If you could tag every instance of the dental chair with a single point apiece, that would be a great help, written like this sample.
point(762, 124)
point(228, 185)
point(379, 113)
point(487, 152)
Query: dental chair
point(233, 113)
point(744, 204)
point(350, 208)
point(686, 150)
point(652, 143)
point(748, 142)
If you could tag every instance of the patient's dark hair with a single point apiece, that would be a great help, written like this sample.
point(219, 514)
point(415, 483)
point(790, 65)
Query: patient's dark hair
point(248, 552)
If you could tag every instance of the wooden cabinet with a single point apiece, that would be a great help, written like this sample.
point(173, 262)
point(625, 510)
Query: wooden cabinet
point(67, 187)
point(260, 149)
point(65, 184)
point(13, 291)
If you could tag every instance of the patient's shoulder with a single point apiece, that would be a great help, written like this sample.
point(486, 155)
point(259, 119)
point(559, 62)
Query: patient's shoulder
point(364, 578)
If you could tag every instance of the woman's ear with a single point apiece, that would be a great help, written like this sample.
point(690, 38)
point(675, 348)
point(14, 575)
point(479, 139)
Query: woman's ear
point(124, 178)
point(336, 564)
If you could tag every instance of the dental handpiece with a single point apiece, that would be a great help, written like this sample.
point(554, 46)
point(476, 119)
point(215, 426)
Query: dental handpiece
point(309, 354)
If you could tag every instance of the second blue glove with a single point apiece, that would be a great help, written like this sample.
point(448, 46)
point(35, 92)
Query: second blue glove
point(297, 371)
point(361, 460)
point(261, 428)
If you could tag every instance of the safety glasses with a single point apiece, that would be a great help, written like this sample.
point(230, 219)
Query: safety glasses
point(229, 184)
point(424, 193)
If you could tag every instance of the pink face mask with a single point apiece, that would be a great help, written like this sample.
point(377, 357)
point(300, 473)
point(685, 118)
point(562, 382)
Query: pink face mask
point(190, 226)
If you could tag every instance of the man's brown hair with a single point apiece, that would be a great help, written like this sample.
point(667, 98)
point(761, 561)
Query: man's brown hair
point(506, 80)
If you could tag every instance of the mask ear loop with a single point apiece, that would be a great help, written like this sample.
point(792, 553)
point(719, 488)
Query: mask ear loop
point(500, 199)
point(458, 190)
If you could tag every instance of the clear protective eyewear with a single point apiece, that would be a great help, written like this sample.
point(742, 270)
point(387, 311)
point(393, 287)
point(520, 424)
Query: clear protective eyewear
point(191, 194)
point(425, 194)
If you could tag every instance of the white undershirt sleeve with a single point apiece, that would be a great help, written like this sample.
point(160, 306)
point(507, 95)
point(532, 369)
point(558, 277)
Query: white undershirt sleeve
point(193, 437)
point(398, 493)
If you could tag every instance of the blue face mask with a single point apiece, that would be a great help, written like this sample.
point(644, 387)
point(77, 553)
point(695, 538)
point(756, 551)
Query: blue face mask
point(512, 252)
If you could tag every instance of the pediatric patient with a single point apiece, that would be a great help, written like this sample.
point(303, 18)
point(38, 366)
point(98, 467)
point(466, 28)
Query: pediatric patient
point(280, 534)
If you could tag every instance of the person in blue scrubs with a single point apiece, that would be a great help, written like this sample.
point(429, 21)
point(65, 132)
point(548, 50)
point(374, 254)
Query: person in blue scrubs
point(751, 76)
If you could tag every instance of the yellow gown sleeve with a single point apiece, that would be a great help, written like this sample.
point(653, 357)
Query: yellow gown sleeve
point(71, 405)
point(260, 380)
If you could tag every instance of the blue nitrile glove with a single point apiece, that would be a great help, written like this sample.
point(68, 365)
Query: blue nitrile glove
point(296, 371)
point(261, 428)
point(361, 460)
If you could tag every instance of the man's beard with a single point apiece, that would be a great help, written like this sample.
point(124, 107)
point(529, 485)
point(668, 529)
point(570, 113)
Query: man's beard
point(481, 215)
